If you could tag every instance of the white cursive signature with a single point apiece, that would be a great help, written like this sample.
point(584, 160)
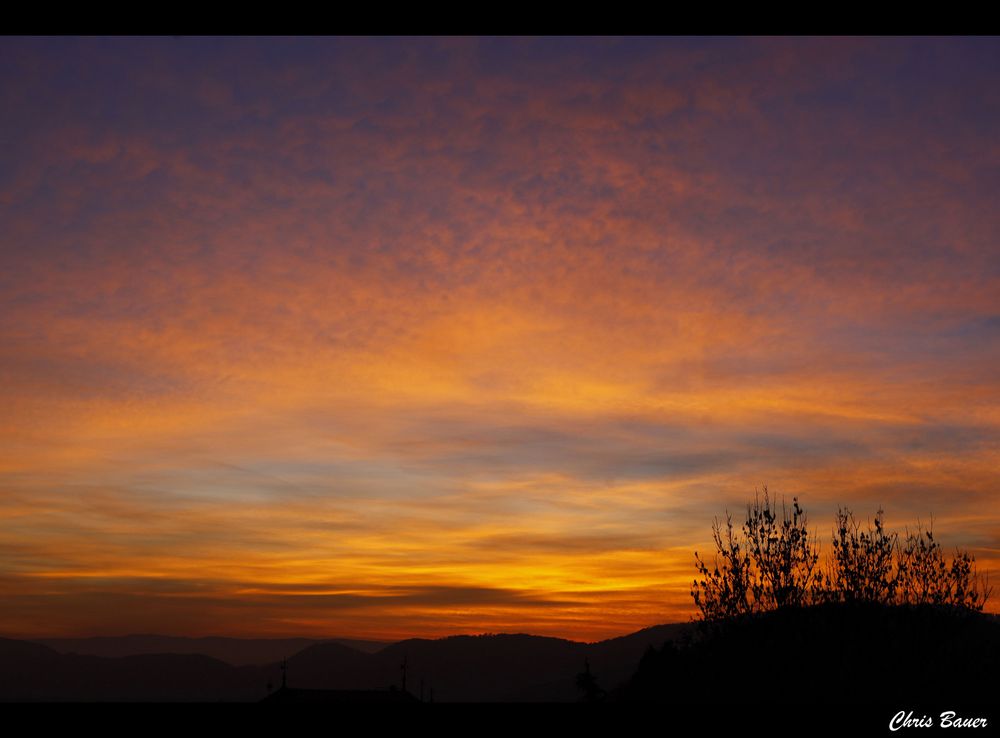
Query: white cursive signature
point(948, 720)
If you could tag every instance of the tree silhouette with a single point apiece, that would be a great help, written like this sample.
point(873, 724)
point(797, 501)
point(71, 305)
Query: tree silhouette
point(587, 683)
point(925, 576)
point(862, 566)
point(769, 563)
point(772, 562)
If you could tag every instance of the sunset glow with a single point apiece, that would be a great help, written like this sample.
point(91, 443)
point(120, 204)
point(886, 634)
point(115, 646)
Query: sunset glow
point(388, 338)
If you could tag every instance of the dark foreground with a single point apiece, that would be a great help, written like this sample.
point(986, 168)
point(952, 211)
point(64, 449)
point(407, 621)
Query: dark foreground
point(866, 670)
point(860, 654)
point(775, 717)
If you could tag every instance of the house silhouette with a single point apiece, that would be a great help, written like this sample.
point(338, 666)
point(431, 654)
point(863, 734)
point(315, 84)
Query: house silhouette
point(294, 695)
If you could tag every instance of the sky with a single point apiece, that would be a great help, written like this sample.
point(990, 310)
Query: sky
point(414, 337)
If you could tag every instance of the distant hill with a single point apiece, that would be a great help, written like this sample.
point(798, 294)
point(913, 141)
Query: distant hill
point(830, 654)
point(235, 651)
point(32, 672)
point(486, 668)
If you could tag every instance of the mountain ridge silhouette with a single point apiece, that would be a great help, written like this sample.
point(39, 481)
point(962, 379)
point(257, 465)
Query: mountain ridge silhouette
point(478, 668)
point(953, 652)
point(234, 651)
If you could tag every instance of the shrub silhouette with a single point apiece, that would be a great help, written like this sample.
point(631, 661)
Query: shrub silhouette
point(862, 564)
point(772, 562)
point(925, 577)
